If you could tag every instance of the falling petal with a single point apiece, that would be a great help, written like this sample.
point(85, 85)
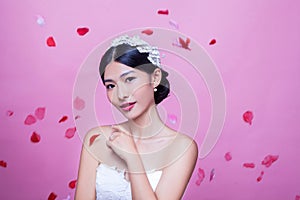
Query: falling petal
point(9, 113)
point(249, 165)
point(212, 175)
point(185, 44)
point(78, 103)
point(82, 31)
point(172, 118)
point(212, 42)
point(148, 32)
point(77, 117)
point(248, 117)
point(228, 156)
point(63, 119)
point(52, 196)
point(70, 132)
point(269, 160)
point(163, 12)
point(30, 119)
point(3, 163)
point(174, 24)
point(92, 139)
point(201, 176)
point(72, 184)
point(40, 20)
point(297, 197)
point(35, 138)
point(40, 113)
point(260, 177)
point(51, 42)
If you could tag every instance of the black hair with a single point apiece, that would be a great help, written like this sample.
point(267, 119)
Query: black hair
point(130, 56)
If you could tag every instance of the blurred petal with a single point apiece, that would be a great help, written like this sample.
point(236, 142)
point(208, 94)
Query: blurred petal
point(163, 12)
point(82, 31)
point(148, 32)
point(70, 132)
point(248, 117)
point(35, 138)
point(51, 42)
point(52, 196)
point(78, 103)
point(63, 119)
point(30, 119)
point(40, 113)
point(228, 156)
point(3, 163)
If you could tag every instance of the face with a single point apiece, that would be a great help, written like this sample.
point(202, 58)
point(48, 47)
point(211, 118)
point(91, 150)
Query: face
point(128, 89)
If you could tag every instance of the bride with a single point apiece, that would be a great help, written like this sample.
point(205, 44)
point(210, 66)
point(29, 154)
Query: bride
point(141, 158)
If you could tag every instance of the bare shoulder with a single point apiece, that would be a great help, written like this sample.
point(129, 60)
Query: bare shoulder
point(185, 142)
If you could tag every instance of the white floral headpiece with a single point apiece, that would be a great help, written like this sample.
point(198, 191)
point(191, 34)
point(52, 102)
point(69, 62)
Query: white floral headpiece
point(141, 45)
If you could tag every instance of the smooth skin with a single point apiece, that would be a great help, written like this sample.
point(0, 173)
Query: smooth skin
point(124, 145)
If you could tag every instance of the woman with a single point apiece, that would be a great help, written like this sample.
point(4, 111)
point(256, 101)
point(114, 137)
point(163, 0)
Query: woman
point(141, 158)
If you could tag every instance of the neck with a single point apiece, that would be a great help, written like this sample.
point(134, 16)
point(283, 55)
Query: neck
point(147, 125)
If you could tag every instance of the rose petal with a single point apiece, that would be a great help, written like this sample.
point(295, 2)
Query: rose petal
point(148, 32)
point(185, 44)
point(248, 117)
point(228, 156)
point(30, 119)
point(3, 163)
point(163, 12)
point(9, 113)
point(249, 165)
point(297, 197)
point(201, 176)
point(77, 116)
point(40, 113)
point(72, 184)
point(172, 118)
point(78, 103)
point(212, 42)
point(52, 196)
point(70, 132)
point(82, 31)
point(260, 177)
point(92, 139)
point(35, 138)
point(174, 24)
point(212, 175)
point(63, 119)
point(51, 42)
point(269, 160)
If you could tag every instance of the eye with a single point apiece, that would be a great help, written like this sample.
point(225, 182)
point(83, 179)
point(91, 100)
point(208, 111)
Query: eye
point(129, 79)
point(110, 86)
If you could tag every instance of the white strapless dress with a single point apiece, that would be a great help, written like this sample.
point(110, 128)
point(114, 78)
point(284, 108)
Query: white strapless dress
point(112, 185)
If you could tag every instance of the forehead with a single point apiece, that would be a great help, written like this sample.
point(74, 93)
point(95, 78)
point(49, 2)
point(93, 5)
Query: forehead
point(115, 69)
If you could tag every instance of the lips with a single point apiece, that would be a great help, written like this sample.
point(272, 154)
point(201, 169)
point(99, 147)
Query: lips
point(127, 106)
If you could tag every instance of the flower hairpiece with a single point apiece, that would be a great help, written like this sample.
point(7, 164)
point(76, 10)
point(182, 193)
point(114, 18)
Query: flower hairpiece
point(141, 45)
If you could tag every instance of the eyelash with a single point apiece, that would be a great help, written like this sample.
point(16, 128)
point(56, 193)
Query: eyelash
point(126, 80)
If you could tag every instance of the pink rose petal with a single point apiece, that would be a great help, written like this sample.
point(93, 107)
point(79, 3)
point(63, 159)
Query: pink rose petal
point(260, 177)
point(30, 119)
point(297, 197)
point(212, 175)
point(172, 118)
point(269, 160)
point(201, 176)
point(249, 165)
point(78, 103)
point(228, 156)
point(40, 113)
point(92, 139)
point(174, 24)
point(248, 117)
point(9, 113)
point(70, 132)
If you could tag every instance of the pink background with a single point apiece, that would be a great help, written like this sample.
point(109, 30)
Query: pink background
point(257, 54)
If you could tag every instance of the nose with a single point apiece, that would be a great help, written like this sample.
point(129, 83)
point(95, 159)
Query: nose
point(122, 91)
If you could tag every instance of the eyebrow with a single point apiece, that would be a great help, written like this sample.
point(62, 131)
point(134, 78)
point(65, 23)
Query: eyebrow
point(122, 75)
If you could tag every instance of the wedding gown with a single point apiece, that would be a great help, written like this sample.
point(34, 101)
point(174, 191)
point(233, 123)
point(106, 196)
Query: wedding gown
point(112, 185)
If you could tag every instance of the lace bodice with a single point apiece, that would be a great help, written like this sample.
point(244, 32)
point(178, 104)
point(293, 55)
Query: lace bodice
point(112, 185)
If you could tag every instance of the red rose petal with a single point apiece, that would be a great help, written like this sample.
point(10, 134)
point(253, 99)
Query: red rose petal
point(30, 119)
point(40, 113)
point(260, 177)
point(3, 163)
point(201, 176)
point(51, 42)
point(148, 32)
point(70, 132)
point(82, 31)
point(269, 160)
point(163, 12)
point(249, 165)
point(212, 42)
point(92, 139)
point(228, 156)
point(212, 175)
point(185, 44)
point(248, 117)
point(78, 103)
point(72, 184)
point(52, 196)
point(9, 113)
point(63, 119)
point(35, 138)
point(297, 197)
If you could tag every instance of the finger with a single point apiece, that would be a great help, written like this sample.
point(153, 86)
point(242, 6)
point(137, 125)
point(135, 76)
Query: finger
point(119, 129)
point(114, 135)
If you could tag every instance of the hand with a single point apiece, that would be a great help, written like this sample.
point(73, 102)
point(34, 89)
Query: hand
point(122, 143)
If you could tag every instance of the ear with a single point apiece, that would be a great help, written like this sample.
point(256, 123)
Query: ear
point(156, 77)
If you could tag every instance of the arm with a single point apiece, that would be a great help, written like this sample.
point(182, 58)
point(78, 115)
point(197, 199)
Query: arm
point(85, 187)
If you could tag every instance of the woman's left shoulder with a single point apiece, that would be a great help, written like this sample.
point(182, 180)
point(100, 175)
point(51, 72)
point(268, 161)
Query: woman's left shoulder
point(186, 143)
